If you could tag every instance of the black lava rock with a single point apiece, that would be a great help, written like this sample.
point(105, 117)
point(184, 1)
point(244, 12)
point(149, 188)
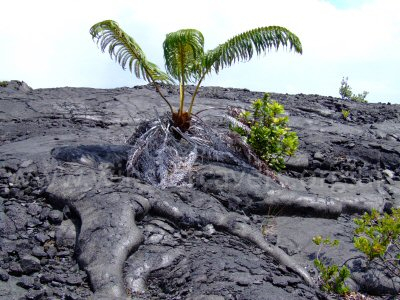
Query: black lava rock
point(3, 275)
point(55, 216)
point(30, 264)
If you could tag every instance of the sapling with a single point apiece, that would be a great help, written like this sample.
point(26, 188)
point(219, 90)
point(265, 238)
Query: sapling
point(266, 130)
point(332, 276)
point(377, 236)
point(345, 89)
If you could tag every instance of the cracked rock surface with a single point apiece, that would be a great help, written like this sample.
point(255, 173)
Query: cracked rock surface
point(72, 226)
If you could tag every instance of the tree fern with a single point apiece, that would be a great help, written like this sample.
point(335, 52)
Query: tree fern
point(185, 59)
point(183, 53)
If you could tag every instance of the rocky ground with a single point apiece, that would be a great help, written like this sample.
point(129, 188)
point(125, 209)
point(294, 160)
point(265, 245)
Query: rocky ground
point(74, 230)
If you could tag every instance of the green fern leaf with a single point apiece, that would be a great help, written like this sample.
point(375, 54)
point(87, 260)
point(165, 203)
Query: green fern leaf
point(183, 53)
point(126, 51)
point(242, 47)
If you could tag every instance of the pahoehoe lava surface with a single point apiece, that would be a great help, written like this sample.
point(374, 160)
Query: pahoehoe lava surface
point(73, 226)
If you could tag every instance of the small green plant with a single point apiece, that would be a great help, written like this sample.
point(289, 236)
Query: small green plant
point(3, 83)
point(378, 238)
point(333, 277)
point(266, 131)
point(346, 93)
point(345, 113)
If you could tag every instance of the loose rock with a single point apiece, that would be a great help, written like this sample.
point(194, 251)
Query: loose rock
point(30, 264)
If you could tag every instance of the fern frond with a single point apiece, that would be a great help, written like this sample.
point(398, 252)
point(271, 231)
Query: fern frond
point(235, 122)
point(242, 47)
point(126, 52)
point(183, 53)
point(178, 169)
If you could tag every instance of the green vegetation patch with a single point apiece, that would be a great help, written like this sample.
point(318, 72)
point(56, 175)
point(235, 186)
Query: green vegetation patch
point(266, 131)
point(346, 93)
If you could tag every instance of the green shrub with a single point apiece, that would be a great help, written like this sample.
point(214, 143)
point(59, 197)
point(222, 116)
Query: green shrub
point(360, 97)
point(266, 131)
point(3, 83)
point(378, 238)
point(346, 93)
point(332, 276)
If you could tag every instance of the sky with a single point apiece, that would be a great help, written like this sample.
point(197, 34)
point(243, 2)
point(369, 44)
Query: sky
point(46, 43)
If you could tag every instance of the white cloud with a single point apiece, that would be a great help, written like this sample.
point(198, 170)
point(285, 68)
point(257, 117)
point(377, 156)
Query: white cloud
point(47, 43)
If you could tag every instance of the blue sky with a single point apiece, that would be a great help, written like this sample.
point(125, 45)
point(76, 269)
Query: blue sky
point(349, 4)
point(46, 43)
